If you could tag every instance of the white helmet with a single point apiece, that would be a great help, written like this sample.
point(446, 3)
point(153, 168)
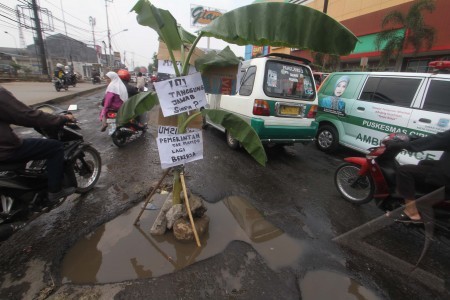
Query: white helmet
point(59, 65)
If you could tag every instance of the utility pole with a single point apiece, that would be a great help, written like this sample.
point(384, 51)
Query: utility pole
point(92, 22)
point(109, 31)
point(40, 40)
point(325, 6)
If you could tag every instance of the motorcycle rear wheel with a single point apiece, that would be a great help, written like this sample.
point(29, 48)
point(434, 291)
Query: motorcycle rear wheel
point(119, 139)
point(351, 186)
point(87, 168)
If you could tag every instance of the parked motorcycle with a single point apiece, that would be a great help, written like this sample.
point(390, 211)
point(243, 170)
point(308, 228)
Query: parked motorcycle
point(362, 179)
point(96, 79)
point(121, 135)
point(23, 186)
point(60, 84)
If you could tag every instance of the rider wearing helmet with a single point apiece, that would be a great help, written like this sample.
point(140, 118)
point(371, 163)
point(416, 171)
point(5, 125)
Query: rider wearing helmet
point(126, 77)
point(132, 90)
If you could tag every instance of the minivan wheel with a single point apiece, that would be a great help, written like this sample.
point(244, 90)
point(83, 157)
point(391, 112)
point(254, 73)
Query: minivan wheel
point(327, 139)
point(231, 141)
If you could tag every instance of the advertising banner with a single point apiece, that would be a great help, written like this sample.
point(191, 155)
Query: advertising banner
point(202, 15)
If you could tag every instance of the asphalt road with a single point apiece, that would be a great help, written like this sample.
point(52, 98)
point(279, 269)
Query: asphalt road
point(294, 192)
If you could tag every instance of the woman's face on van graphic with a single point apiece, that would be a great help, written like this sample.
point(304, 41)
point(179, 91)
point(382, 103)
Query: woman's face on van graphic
point(340, 88)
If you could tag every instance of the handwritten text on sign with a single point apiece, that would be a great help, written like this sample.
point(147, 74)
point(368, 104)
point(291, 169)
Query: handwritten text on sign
point(179, 149)
point(181, 94)
point(166, 66)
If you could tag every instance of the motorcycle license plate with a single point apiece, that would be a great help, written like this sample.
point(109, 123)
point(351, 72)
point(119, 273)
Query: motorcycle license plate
point(112, 128)
point(110, 121)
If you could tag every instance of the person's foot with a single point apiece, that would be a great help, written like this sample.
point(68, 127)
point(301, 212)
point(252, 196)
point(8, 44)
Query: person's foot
point(404, 218)
point(53, 198)
point(103, 128)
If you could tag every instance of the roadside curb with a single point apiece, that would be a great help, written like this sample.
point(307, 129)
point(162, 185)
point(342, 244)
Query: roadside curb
point(71, 96)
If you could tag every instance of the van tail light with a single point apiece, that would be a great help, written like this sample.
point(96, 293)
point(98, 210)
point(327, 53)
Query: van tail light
point(312, 112)
point(261, 108)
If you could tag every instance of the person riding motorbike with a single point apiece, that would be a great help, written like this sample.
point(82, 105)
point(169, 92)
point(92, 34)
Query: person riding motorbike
point(434, 173)
point(59, 73)
point(15, 149)
point(116, 93)
point(132, 90)
point(126, 77)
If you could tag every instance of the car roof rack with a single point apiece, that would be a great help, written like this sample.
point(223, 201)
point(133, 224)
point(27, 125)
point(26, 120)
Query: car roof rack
point(287, 56)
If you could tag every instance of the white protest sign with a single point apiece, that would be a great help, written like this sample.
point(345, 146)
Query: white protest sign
point(162, 129)
point(181, 94)
point(179, 149)
point(166, 66)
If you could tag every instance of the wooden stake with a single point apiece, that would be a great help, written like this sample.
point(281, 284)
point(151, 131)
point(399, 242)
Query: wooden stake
point(151, 195)
point(188, 208)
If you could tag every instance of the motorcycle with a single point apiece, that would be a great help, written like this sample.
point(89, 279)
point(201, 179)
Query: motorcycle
point(360, 180)
point(23, 186)
point(60, 84)
point(121, 135)
point(71, 79)
point(96, 79)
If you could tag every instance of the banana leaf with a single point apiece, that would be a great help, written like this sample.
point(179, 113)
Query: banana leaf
point(224, 58)
point(241, 131)
point(282, 25)
point(163, 23)
point(136, 105)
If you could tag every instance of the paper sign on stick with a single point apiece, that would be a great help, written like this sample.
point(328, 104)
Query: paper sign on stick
point(179, 149)
point(173, 129)
point(166, 66)
point(181, 94)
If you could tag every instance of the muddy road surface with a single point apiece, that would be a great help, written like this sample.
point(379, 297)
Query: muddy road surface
point(294, 193)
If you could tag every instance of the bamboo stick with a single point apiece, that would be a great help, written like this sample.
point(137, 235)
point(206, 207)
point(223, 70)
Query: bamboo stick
point(186, 200)
point(151, 195)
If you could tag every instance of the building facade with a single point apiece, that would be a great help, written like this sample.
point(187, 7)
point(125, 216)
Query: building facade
point(364, 18)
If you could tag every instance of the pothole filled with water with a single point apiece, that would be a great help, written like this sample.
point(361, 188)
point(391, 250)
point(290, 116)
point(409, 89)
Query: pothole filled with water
point(119, 251)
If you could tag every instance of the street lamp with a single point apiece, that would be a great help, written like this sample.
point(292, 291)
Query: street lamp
point(110, 48)
point(15, 43)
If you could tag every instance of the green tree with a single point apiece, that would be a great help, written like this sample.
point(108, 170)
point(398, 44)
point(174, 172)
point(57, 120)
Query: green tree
point(15, 66)
point(416, 32)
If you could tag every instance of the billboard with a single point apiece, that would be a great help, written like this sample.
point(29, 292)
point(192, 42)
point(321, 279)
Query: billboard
point(202, 15)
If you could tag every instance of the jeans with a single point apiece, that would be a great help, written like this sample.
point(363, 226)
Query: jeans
point(40, 149)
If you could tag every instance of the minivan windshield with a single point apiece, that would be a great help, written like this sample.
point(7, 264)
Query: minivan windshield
point(288, 80)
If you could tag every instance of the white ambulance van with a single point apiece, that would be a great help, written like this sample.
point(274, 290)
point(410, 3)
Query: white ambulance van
point(358, 109)
point(276, 96)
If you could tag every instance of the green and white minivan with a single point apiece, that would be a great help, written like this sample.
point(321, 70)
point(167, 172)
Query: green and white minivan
point(358, 109)
point(277, 97)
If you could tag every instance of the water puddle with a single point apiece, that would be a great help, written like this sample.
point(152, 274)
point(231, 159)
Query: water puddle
point(119, 251)
point(318, 285)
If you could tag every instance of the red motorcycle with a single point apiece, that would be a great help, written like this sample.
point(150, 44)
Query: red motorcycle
point(362, 179)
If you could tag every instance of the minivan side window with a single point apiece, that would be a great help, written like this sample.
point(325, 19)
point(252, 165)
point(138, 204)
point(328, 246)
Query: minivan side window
point(247, 82)
point(389, 90)
point(438, 96)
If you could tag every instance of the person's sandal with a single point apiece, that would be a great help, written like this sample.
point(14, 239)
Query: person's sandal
point(103, 128)
point(403, 218)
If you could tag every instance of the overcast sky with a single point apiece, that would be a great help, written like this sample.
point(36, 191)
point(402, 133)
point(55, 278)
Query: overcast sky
point(139, 42)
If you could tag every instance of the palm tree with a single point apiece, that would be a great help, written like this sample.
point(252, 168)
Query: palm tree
point(416, 33)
